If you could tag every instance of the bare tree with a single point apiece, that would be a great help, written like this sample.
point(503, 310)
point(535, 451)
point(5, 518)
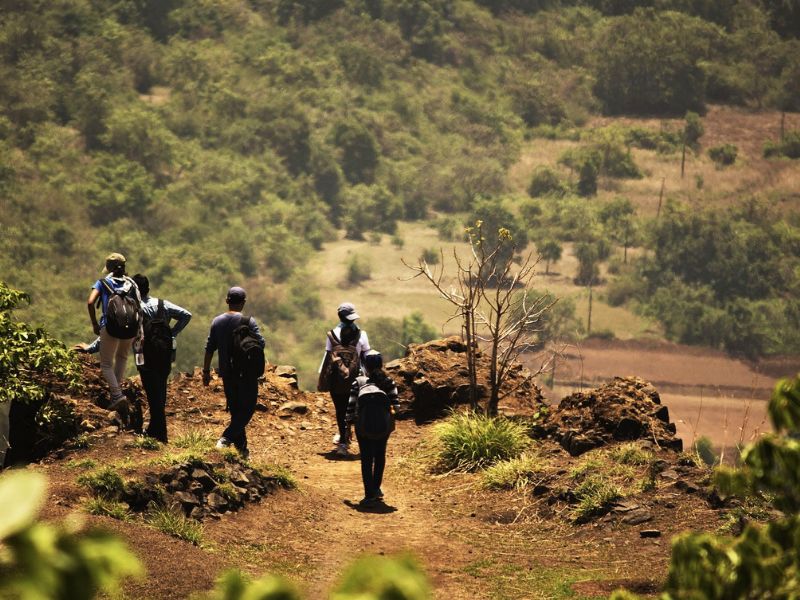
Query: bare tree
point(492, 298)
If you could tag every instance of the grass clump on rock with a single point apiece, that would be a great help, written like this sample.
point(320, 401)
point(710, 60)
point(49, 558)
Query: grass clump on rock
point(630, 454)
point(471, 441)
point(595, 495)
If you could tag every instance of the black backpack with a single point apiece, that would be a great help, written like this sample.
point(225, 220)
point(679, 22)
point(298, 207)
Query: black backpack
point(343, 364)
point(374, 418)
point(123, 313)
point(246, 359)
point(157, 346)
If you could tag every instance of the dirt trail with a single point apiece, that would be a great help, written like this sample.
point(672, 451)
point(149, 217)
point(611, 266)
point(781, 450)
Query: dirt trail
point(317, 532)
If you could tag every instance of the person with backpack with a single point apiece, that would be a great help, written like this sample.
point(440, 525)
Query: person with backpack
point(241, 363)
point(345, 348)
point(119, 324)
point(157, 349)
point(371, 408)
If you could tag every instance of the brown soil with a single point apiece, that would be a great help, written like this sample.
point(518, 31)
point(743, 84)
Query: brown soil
point(473, 543)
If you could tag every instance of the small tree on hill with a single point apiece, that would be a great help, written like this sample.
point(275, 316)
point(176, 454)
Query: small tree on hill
point(505, 316)
point(550, 250)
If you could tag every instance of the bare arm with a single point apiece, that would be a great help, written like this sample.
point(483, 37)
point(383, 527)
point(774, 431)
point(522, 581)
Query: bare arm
point(90, 302)
point(207, 367)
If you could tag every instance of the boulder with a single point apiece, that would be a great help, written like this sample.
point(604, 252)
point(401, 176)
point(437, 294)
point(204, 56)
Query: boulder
point(623, 409)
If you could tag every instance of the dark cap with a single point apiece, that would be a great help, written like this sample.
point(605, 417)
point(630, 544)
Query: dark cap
point(236, 295)
point(347, 311)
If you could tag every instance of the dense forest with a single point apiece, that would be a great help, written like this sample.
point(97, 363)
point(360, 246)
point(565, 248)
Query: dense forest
point(219, 142)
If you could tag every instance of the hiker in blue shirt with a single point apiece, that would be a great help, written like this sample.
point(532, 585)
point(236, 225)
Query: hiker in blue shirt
point(157, 365)
point(114, 350)
point(241, 393)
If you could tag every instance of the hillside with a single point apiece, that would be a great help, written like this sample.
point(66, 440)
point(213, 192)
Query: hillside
point(539, 540)
point(258, 142)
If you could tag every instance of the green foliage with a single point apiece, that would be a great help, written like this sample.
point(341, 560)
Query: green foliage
point(117, 188)
point(559, 323)
point(56, 562)
point(693, 130)
point(144, 442)
point(359, 268)
point(630, 454)
point(105, 483)
point(651, 63)
point(282, 475)
point(516, 473)
point(789, 146)
point(376, 577)
point(550, 251)
point(724, 155)
point(107, 508)
point(195, 440)
point(546, 182)
point(762, 562)
point(359, 151)
point(28, 356)
point(471, 441)
point(431, 255)
point(595, 494)
point(172, 523)
point(235, 585)
point(393, 336)
point(704, 449)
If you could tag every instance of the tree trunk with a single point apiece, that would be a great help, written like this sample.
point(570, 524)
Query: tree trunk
point(547, 267)
point(660, 197)
point(683, 158)
point(589, 320)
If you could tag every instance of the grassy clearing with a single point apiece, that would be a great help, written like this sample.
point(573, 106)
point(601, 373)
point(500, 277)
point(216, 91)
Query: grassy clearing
point(107, 508)
point(105, 483)
point(469, 441)
point(516, 473)
point(176, 525)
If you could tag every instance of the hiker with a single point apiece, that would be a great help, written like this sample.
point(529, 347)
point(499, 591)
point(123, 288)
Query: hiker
point(241, 363)
point(158, 347)
point(371, 408)
point(119, 324)
point(345, 348)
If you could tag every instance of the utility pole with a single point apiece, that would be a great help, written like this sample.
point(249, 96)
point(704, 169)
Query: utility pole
point(589, 320)
point(660, 197)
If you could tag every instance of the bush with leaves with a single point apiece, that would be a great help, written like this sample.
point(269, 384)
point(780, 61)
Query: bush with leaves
point(763, 561)
point(789, 146)
point(45, 561)
point(723, 155)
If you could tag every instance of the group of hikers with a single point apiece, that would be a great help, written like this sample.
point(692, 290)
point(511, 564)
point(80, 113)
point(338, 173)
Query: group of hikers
point(364, 397)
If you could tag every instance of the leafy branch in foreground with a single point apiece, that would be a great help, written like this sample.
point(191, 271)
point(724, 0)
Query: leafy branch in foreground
point(762, 562)
point(27, 354)
point(44, 562)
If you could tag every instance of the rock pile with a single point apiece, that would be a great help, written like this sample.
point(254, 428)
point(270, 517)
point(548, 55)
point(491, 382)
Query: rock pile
point(433, 377)
point(203, 489)
point(622, 409)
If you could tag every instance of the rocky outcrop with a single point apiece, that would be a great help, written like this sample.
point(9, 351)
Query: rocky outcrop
point(621, 410)
point(433, 378)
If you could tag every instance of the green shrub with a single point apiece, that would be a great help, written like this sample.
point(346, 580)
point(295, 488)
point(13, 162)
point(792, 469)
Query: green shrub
point(398, 578)
point(471, 441)
point(723, 155)
point(546, 182)
point(601, 334)
point(704, 450)
point(105, 483)
point(789, 146)
point(282, 475)
point(175, 524)
point(398, 242)
point(359, 269)
point(516, 473)
point(431, 255)
point(145, 442)
point(235, 585)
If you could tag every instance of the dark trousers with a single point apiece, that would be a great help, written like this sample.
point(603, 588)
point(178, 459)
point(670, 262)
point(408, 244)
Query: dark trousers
point(155, 386)
point(340, 404)
point(241, 395)
point(373, 461)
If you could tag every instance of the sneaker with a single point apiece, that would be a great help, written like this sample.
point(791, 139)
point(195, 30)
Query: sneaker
point(222, 443)
point(367, 501)
point(341, 450)
point(379, 494)
point(244, 453)
point(336, 439)
point(119, 404)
